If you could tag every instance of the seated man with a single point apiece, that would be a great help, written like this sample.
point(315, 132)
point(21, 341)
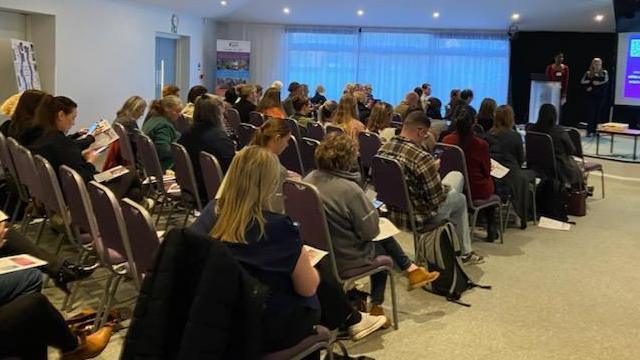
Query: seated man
point(432, 202)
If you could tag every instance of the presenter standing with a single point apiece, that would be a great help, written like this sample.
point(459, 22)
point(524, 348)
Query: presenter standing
point(558, 71)
point(595, 80)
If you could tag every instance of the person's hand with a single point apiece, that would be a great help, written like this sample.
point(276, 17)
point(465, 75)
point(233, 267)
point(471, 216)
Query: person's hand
point(437, 161)
point(3, 232)
point(563, 101)
point(83, 131)
point(90, 156)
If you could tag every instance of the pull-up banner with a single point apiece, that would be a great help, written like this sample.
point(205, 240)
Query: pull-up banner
point(232, 62)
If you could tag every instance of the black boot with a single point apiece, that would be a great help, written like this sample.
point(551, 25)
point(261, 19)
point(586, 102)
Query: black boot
point(68, 273)
point(492, 232)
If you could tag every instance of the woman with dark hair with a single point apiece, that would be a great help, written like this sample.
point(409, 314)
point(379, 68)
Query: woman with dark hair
point(568, 170)
point(476, 153)
point(230, 96)
point(328, 112)
point(270, 104)
point(453, 98)
point(209, 135)
point(487, 113)
point(194, 93)
point(22, 125)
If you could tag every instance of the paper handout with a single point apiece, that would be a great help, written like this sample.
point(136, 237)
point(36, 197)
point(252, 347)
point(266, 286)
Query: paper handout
point(498, 170)
point(387, 229)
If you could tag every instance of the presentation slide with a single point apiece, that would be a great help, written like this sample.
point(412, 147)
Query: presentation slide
point(628, 73)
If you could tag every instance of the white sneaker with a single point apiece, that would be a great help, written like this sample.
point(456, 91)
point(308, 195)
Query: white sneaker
point(367, 325)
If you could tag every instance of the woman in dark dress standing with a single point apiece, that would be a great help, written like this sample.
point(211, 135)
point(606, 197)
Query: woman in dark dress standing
point(596, 81)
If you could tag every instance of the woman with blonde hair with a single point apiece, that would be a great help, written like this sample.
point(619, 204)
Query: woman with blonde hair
point(346, 116)
point(160, 127)
point(595, 81)
point(380, 121)
point(270, 104)
point(132, 110)
point(268, 246)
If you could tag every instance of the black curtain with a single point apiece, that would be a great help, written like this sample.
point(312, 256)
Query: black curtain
point(531, 52)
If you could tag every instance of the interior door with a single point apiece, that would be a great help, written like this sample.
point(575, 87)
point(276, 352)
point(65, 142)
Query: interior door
point(166, 49)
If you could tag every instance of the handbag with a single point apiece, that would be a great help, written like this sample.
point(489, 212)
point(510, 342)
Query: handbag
point(577, 203)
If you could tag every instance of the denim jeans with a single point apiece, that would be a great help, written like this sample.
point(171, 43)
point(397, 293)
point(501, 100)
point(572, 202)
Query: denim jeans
point(391, 248)
point(454, 209)
point(19, 283)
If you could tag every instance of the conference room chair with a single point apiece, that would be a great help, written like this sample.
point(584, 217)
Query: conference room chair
point(397, 126)
point(111, 244)
point(321, 340)
point(28, 179)
point(303, 204)
point(141, 247)
point(124, 141)
point(245, 134)
point(211, 174)
point(186, 179)
point(452, 158)
point(369, 143)
point(308, 153)
point(586, 166)
point(332, 128)
point(290, 157)
point(232, 121)
point(15, 190)
point(256, 119)
point(540, 153)
point(315, 131)
point(397, 118)
point(292, 124)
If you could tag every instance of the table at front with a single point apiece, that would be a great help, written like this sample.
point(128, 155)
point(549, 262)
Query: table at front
point(613, 133)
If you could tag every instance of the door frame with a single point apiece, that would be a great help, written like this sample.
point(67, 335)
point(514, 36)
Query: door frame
point(183, 60)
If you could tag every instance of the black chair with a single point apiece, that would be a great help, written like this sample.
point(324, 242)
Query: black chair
point(256, 118)
point(315, 131)
point(290, 157)
point(232, 120)
point(186, 179)
point(586, 166)
point(308, 153)
point(369, 145)
point(397, 118)
point(332, 128)
point(293, 126)
point(211, 174)
point(126, 150)
point(11, 172)
point(541, 156)
point(245, 134)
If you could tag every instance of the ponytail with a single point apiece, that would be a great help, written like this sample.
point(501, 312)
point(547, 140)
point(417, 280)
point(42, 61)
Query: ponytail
point(159, 107)
point(269, 131)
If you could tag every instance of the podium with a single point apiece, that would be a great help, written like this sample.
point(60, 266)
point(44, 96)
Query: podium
point(542, 92)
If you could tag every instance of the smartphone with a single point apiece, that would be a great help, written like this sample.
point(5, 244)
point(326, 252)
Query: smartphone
point(92, 128)
point(437, 153)
point(377, 203)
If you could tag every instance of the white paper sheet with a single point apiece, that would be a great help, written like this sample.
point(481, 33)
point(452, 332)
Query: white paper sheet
point(111, 174)
point(387, 229)
point(315, 255)
point(552, 224)
point(498, 170)
point(14, 263)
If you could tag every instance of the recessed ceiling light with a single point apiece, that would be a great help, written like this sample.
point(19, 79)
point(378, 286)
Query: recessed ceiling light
point(360, 12)
point(515, 16)
point(599, 17)
point(223, 3)
point(435, 15)
point(286, 10)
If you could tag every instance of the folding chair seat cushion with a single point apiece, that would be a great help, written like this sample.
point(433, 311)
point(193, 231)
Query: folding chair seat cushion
point(490, 200)
point(323, 335)
point(379, 261)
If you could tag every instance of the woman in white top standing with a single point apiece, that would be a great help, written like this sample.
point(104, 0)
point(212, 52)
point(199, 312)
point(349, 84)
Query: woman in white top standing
point(596, 82)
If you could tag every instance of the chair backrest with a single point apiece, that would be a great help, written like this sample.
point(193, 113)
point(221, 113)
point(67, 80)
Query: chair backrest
point(232, 117)
point(108, 215)
point(211, 174)
point(52, 198)
point(256, 118)
point(541, 156)
point(391, 187)
point(369, 145)
point(332, 128)
point(126, 150)
point(25, 168)
point(478, 129)
point(141, 248)
point(185, 176)
point(293, 126)
point(10, 168)
point(315, 131)
point(290, 157)
point(150, 162)
point(245, 134)
point(308, 153)
point(396, 118)
point(452, 158)
point(396, 125)
point(576, 140)
point(303, 204)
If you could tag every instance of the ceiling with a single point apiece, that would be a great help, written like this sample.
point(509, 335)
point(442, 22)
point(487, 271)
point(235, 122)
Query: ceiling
point(535, 15)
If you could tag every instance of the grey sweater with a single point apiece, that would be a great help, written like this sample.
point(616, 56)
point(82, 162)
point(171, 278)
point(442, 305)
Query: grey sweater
point(353, 221)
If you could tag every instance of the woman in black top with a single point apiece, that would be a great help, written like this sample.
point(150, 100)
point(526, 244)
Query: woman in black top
point(487, 113)
point(596, 81)
point(208, 134)
point(22, 126)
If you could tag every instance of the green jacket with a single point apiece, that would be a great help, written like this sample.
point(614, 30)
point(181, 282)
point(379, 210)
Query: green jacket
point(163, 133)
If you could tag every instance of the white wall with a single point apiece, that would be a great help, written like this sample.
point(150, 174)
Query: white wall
point(105, 50)
point(12, 25)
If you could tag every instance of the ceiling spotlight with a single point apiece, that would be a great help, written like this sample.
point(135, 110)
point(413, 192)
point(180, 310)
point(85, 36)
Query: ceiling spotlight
point(515, 17)
point(223, 3)
point(286, 10)
point(435, 15)
point(599, 17)
point(360, 12)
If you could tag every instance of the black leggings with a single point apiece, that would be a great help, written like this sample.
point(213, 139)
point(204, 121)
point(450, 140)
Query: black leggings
point(29, 324)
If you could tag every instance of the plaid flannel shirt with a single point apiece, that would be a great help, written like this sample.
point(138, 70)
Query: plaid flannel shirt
point(423, 181)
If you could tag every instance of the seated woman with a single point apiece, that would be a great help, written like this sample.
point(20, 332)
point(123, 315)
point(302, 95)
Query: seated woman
point(380, 121)
point(568, 170)
point(302, 110)
point(346, 116)
point(209, 135)
point(55, 117)
point(128, 116)
point(487, 113)
point(22, 125)
point(476, 153)
point(328, 112)
point(160, 127)
point(353, 220)
point(508, 150)
point(270, 104)
point(194, 93)
point(269, 247)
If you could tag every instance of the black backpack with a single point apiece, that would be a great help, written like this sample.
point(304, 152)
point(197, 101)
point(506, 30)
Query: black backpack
point(552, 200)
point(436, 249)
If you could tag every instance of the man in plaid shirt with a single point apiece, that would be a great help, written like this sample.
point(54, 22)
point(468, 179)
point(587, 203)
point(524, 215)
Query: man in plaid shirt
point(433, 200)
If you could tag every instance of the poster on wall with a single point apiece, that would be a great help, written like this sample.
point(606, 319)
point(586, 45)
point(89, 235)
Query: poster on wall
point(232, 62)
point(24, 63)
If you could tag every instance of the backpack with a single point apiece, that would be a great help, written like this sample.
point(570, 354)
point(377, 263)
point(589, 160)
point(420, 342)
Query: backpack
point(552, 199)
point(436, 249)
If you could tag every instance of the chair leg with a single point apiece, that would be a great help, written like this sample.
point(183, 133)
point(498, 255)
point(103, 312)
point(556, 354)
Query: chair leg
point(59, 240)
point(16, 211)
point(474, 219)
point(186, 217)
point(103, 302)
point(40, 231)
point(160, 210)
point(112, 295)
point(535, 207)
point(5, 208)
point(502, 227)
point(171, 210)
point(602, 178)
point(394, 304)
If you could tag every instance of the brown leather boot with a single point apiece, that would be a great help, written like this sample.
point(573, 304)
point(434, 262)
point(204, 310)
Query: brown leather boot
point(377, 310)
point(420, 277)
point(91, 345)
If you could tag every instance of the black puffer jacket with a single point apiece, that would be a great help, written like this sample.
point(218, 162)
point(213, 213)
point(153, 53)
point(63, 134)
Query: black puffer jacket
point(197, 303)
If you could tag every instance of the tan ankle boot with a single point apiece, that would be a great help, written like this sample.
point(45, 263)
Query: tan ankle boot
point(420, 277)
point(91, 345)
